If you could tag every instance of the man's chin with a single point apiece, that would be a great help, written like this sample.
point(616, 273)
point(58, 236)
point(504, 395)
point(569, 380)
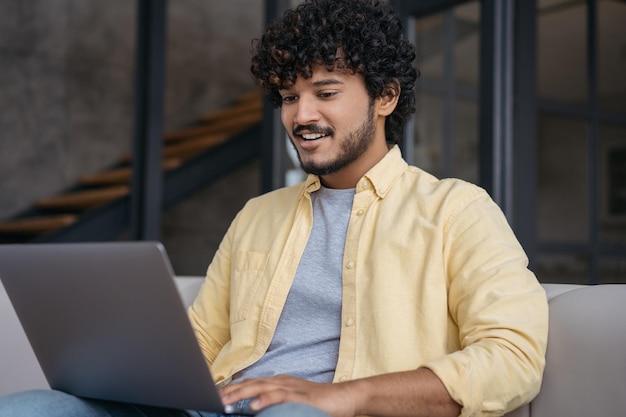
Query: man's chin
point(321, 169)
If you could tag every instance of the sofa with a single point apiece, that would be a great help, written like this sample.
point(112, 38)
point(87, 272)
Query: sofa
point(585, 363)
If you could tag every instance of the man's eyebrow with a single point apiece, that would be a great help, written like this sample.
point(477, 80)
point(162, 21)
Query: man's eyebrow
point(326, 81)
point(319, 83)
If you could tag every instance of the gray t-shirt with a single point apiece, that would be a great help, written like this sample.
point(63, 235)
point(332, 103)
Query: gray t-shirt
point(306, 341)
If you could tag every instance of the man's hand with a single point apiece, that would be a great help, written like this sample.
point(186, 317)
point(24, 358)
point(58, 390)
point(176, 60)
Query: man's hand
point(332, 398)
point(417, 393)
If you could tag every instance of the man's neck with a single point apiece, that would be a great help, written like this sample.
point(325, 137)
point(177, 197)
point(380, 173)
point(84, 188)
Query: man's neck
point(349, 176)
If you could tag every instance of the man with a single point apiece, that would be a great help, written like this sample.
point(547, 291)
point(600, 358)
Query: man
point(372, 288)
point(410, 293)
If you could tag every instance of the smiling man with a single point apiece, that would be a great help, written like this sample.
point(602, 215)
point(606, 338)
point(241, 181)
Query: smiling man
point(336, 129)
point(372, 288)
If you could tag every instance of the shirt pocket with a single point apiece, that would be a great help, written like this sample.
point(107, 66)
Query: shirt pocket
point(249, 268)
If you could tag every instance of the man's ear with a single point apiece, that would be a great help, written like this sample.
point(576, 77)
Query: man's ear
point(388, 100)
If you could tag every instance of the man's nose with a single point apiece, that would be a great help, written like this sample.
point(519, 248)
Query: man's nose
point(307, 112)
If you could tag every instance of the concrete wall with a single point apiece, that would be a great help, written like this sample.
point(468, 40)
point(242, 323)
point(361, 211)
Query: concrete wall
point(67, 91)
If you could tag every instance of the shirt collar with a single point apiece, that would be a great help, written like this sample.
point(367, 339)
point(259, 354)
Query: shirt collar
point(385, 173)
point(380, 177)
point(312, 184)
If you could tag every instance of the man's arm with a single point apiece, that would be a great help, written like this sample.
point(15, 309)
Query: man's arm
point(411, 393)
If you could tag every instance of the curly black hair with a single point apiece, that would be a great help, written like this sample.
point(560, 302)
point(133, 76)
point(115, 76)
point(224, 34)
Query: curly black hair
point(362, 36)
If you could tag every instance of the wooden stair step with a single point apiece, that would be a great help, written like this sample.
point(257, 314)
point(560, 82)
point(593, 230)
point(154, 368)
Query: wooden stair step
point(37, 225)
point(123, 175)
point(241, 121)
point(255, 96)
point(187, 148)
point(235, 111)
point(199, 141)
point(191, 147)
point(83, 199)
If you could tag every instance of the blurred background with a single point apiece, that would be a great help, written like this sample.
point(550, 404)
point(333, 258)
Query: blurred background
point(140, 120)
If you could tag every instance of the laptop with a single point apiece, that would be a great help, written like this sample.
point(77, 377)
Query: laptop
point(106, 321)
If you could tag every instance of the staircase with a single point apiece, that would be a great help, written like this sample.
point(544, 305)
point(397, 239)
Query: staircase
point(98, 206)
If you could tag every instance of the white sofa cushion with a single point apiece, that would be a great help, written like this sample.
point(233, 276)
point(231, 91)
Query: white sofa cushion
point(19, 369)
point(586, 358)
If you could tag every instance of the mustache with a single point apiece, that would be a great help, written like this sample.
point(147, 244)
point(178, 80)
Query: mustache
point(313, 128)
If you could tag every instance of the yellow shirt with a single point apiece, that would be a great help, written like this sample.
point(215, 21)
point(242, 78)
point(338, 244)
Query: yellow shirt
point(433, 277)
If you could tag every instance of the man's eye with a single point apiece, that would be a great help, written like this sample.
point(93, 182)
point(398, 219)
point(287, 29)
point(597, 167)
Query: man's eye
point(289, 99)
point(327, 94)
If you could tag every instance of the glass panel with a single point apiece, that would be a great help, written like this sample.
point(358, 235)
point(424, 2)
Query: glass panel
point(446, 128)
point(293, 172)
point(562, 72)
point(562, 195)
point(562, 269)
point(554, 3)
point(466, 139)
point(429, 45)
point(467, 43)
point(612, 56)
point(429, 134)
point(428, 151)
point(613, 270)
point(612, 184)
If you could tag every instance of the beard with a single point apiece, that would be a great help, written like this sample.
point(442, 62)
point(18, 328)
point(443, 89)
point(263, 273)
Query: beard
point(353, 145)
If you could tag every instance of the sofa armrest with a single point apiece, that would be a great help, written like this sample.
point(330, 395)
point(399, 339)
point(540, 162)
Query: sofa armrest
point(188, 287)
point(585, 371)
point(554, 290)
point(19, 369)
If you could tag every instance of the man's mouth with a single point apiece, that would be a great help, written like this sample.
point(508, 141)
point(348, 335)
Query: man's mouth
point(312, 132)
point(312, 136)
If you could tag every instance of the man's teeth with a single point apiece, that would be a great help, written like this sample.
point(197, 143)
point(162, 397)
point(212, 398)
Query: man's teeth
point(312, 136)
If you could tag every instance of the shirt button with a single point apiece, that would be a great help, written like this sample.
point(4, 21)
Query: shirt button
point(360, 212)
point(366, 184)
point(349, 322)
point(350, 265)
point(343, 378)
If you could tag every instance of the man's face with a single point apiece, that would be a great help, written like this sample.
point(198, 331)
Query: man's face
point(331, 121)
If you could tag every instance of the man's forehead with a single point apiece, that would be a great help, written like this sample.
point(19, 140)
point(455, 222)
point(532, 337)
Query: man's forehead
point(321, 76)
